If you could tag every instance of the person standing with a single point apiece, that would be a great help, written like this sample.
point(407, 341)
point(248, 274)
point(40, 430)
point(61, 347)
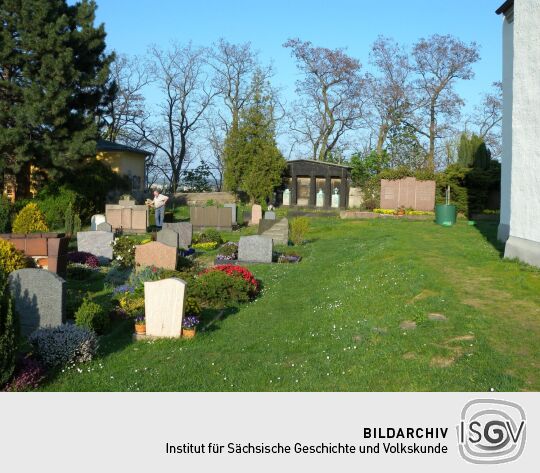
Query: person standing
point(159, 203)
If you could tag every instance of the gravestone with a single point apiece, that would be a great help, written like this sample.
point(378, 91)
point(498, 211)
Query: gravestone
point(320, 198)
point(286, 197)
point(96, 220)
point(335, 200)
point(219, 218)
point(184, 230)
point(233, 212)
point(168, 237)
point(98, 243)
point(155, 254)
point(246, 217)
point(164, 305)
point(255, 249)
point(104, 227)
point(256, 214)
point(409, 193)
point(39, 298)
point(278, 230)
point(269, 215)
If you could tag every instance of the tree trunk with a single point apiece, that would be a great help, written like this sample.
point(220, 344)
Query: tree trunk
point(430, 159)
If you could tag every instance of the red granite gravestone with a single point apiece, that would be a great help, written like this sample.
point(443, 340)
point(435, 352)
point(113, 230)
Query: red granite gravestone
point(155, 254)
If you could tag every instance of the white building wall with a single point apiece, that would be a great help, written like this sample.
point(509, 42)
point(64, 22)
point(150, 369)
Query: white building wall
point(506, 162)
point(524, 241)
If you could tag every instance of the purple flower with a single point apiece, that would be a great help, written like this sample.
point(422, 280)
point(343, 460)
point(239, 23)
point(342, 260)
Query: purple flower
point(190, 321)
point(82, 257)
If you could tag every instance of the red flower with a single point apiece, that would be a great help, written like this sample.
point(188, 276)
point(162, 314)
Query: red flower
point(237, 271)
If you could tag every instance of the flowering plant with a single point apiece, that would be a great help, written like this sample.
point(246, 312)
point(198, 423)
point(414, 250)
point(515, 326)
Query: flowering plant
point(228, 251)
point(140, 320)
point(207, 246)
point(124, 251)
point(28, 376)
point(238, 271)
point(124, 289)
point(190, 322)
point(83, 257)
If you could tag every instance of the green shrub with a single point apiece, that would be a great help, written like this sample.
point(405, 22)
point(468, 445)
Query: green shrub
point(192, 307)
point(12, 259)
point(30, 220)
point(5, 214)
point(209, 235)
point(124, 251)
point(299, 229)
point(72, 221)
point(55, 202)
point(218, 289)
point(91, 315)
point(8, 334)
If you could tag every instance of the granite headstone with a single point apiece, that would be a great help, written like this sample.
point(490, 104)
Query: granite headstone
point(98, 243)
point(269, 215)
point(155, 254)
point(256, 214)
point(104, 227)
point(184, 230)
point(39, 298)
point(96, 220)
point(168, 237)
point(255, 249)
point(164, 304)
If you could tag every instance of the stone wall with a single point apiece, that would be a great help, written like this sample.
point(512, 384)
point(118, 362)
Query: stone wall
point(200, 198)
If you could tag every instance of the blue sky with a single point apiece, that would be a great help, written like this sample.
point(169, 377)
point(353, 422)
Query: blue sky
point(134, 24)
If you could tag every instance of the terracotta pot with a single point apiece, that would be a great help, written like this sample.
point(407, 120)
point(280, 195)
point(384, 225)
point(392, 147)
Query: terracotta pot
point(140, 329)
point(189, 332)
point(43, 262)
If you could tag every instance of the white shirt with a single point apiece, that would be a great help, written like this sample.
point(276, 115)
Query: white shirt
point(160, 200)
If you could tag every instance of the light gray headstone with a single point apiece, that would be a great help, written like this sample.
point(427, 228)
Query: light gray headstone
point(104, 227)
point(39, 298)
point(98, 243)
point(255, 249)
point(168, 237)
point(184, 230)
point(164, 305)
point(96, 220)
point(233, 212)
point(269, 215)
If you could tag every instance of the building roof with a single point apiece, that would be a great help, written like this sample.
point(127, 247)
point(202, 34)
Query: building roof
point(505, 7)
point(105, 145)
point(324, 163)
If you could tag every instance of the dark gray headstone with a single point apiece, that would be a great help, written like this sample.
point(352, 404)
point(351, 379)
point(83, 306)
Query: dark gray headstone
point(255, 249)
point(39, 298)
point(98, 243)
point(104, 227)
point(246, 217)
point(269, 215)
point(184, 230)
point(168, 237)
point(233, 212)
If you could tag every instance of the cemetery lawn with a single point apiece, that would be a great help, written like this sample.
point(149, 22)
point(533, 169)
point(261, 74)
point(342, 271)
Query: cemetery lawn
point(332, 322)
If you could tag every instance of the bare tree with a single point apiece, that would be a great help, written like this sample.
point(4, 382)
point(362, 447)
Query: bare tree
point(129, 76)
point(439, 62)
point(391, 93)
point(487, 119)
point(182, 77)
point(333, 93)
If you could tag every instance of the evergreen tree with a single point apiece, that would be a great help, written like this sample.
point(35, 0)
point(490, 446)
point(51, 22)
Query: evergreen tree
point(53, 84)
point(473, 152)
point(253, 162)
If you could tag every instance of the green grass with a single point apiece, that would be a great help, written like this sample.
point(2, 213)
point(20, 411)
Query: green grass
point(331, 323)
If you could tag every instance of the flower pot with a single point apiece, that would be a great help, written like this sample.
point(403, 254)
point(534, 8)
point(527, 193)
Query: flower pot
point(189, 332)
point(140, 329)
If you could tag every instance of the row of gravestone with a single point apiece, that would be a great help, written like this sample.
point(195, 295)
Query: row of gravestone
point(39, 298)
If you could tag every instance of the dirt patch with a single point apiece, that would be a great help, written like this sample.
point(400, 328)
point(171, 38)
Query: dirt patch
point(409, 356)
point(441, 362)
point(462, 338)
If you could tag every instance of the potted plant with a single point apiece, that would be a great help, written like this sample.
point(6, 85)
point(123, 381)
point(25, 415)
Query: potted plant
point(140, 325)
point(400, 211)
point(189, 326)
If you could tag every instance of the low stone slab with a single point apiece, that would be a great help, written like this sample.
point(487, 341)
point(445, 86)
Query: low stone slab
point(255, 249)
point(98, 243)
point(39, 298)
point(407, 325)
point(155, 254)
point(164, 305)
point(168, 237)
point(437, 317)
point(96, 220)
point(270, 215)
point(104, 227)
point(184, 230)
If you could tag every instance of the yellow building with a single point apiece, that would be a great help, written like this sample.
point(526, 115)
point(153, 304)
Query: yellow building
point(126, 161)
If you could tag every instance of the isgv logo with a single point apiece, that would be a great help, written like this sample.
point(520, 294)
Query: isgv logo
point(491, 431)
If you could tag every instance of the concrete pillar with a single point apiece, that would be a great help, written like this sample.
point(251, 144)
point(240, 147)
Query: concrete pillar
point(312, 190)
point(294, 184)
point(328, 192)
